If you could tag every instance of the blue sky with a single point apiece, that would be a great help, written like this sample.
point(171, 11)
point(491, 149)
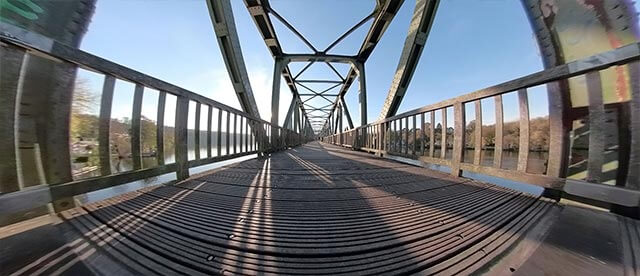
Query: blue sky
point(472, 45)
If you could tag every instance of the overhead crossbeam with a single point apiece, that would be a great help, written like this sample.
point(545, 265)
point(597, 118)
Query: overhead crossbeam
point(225, 28)
point(258, 9)
point(421, 22)
point(384, 14)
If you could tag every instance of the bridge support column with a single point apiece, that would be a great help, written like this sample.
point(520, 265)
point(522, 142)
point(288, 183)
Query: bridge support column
point(340, 122)
point(362, 96)
point(296, 121)
point(275, 100)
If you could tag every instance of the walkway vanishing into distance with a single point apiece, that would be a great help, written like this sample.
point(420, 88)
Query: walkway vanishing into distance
point(322, 209)
point(322, 196)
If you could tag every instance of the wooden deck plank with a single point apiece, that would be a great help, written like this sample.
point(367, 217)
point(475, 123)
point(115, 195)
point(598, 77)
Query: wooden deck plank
point(316, 209)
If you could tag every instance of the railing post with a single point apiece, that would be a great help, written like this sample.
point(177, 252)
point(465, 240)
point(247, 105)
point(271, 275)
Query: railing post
point(415, 136)
point(633, 177)
point(240, 143)
point(477, 156)
point(235, 133)
point(523, 149)
point(443, 144)
point(228, 135)
point(14, 63)
point(497, 153)
point(219, 134)
point(432, 134)
point(104, 125)
point(181, 148)
point(458, 138)
point(209, 138)
point(422, 134)
point(633, 171)
point(162, 98)
point(596, 127)
point(136, 142)
point(197, 131)
point(406, 135)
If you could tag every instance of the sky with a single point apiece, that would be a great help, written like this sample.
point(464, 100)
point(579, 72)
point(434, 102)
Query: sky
point(472, 45)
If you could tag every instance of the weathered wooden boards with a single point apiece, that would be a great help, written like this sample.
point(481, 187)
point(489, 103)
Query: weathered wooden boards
point(315, 209)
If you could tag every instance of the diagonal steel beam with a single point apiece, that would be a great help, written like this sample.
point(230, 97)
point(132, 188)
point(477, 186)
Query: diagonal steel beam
point(225, 28)
point(290, 27)
point(334, 70)
point(343, 103)
point(259, 9)
point(318, 94)
point(292, 105)
point(385, 12)
point(351, 30)
point(304, 69)
point(419, 28)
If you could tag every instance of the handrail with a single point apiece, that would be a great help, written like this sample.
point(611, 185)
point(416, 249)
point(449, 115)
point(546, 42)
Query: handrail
point(391, 136)
point(245, 133)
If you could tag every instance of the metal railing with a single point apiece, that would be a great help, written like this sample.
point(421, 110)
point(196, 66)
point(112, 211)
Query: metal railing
point(407, 135)
point(250, 135)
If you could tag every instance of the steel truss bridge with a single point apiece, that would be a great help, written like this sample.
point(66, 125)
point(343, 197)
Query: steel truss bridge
point(316, 195)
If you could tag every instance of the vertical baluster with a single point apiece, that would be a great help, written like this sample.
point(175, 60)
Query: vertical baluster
point(596, 127)
point(12, 78)
point(372, 136)
point(256, 135)
point(254, 131)
point(422, 134)
point(497, 154)
point(241, 132)
point(243, 138)
point(104, 124)
point(197, 131)
point(181, 148)
point(406, 135)
point(383, 142)
point(432, 134)
point(560, 124)
point(523, 151)
point(235, 133)
point(219, 140)
point(477, 155)
point(135, 128)
point(415, 136)
point(633, 176)
point(369, 136)
point(162, 98)
point(395, 136)
point(228, 140)
point(389, 133)
point(247, 133)
point(443, 143)
point(209, 121)
point(457, 156)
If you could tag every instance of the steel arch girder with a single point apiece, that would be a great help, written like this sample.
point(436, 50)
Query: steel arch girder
point(421, 22)
point(225, 29)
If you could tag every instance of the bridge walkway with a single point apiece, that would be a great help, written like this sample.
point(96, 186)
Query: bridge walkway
point(317, 209)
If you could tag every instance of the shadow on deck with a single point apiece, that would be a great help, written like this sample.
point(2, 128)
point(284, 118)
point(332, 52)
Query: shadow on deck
point(320, 209)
